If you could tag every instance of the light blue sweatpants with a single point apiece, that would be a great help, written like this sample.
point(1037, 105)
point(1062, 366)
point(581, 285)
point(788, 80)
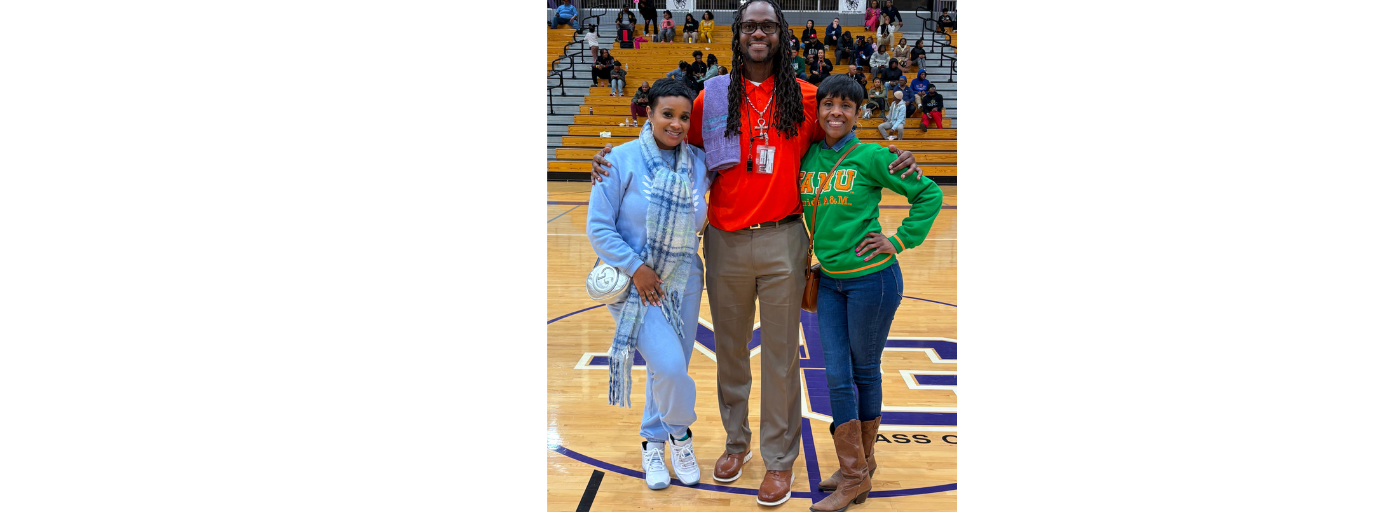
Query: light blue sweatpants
point(670, 392)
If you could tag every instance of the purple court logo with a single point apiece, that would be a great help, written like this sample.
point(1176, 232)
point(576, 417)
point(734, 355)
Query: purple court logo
point(928, 423)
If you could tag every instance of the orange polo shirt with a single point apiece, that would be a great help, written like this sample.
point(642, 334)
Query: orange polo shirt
point(738, 198)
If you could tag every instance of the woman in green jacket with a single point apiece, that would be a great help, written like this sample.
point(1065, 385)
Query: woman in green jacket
point(861, 283)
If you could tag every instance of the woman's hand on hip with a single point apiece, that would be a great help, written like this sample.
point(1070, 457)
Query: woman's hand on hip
point(874, 243)
point(649, 285)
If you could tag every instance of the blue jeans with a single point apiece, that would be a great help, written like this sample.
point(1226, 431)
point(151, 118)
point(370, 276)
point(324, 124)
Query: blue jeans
point(854, 316)
point(617, 86)
point(573, 22)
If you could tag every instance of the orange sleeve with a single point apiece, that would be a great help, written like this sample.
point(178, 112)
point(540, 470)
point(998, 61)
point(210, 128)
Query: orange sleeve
point(809, 102)
point(697, 119)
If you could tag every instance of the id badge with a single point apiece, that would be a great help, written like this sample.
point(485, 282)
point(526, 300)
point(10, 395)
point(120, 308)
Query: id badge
point(764, 156)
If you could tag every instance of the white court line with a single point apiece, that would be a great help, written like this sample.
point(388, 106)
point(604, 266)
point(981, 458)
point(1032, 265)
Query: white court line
point(583, 362)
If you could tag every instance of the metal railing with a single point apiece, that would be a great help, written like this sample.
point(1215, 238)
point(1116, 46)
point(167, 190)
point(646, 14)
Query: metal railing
point(929, 27)
point(590, 16)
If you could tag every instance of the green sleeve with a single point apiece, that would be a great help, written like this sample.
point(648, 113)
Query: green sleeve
point(923, 194)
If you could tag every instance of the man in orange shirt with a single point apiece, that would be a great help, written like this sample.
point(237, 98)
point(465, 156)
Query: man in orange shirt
point(756, 245)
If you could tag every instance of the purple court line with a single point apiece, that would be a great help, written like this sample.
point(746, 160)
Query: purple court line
point(574, 313)
point(814, 469)
point(817, 496)
point(933, 301)
point(562, 214)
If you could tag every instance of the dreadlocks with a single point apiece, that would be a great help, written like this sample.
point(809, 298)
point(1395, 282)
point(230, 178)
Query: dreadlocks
point(787, 94)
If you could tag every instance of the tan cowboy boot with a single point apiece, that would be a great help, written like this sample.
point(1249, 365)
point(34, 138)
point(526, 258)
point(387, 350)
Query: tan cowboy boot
point(868, 430)
point(855, 481)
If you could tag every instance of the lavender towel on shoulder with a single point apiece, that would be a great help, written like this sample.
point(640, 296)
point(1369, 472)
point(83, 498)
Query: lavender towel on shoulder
point(720, 152)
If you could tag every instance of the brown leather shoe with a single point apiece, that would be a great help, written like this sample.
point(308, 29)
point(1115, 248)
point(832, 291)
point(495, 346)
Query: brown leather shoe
point(855, 481)
point(868, 431)
point(730, 466)
point(776, 488)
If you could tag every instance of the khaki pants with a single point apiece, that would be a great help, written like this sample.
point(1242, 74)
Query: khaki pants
point(767, 264)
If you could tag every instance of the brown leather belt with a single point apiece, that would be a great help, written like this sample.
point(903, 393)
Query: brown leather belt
point(785, 220)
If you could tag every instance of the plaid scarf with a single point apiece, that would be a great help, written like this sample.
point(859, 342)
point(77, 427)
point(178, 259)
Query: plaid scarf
point(670, 245)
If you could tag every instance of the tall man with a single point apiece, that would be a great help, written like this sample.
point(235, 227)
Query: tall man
point(756, 245)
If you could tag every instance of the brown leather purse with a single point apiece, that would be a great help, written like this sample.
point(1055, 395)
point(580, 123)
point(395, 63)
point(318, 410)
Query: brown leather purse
point(814, 272)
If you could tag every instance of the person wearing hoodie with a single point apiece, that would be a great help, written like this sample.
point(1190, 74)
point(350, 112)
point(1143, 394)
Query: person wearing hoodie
point(864, 51)
point(919, 87)
point(933, 110)
point(846, 47)
point(833, 32)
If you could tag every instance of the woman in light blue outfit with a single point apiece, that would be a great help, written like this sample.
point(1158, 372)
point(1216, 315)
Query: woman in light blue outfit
point(645, 221)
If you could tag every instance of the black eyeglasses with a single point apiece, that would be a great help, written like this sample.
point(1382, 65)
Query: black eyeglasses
point(748, 27)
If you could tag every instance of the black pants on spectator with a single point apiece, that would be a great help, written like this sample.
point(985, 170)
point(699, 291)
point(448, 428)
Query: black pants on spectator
point(649, 25)
point(604, 74)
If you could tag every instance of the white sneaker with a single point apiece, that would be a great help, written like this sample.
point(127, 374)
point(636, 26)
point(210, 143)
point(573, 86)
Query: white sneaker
point(658, 477)
point(683, 460)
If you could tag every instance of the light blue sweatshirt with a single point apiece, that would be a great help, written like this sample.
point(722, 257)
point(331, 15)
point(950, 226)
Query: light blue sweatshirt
point(617, 206)
point(566, 11)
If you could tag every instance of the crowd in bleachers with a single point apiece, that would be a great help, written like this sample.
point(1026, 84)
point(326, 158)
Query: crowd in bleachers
point(817, 53)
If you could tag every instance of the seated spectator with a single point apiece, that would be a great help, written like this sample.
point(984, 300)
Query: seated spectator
point(916, 54)
point(933, 109)
point(695, 81)
point(854, 72)
point(901, 84)
point(894, 118)
point(872, 15)
point(875, 100)
point(864, 51)
point(699, 66)
point(810, 31)
point(678, 74)
point(602, 67)
point(900, 53)
point(566, 13)
point(833, 32)
point(879, 62)
point(691, 30)
point(893, 14)
point(639, 102)
point(846, 48)
point(884, 35)
point(890, 74)
point(799, 64)
point(820, 68)
point(668, 28)
point(619, 79)
point(946, 22)
point(711, 67)
point(707, 27)
point(631, 19)
point(919, 86)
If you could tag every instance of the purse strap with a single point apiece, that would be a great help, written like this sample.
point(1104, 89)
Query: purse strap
point(811, 236)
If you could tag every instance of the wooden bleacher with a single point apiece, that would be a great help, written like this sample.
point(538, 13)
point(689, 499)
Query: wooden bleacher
point(935, 150)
